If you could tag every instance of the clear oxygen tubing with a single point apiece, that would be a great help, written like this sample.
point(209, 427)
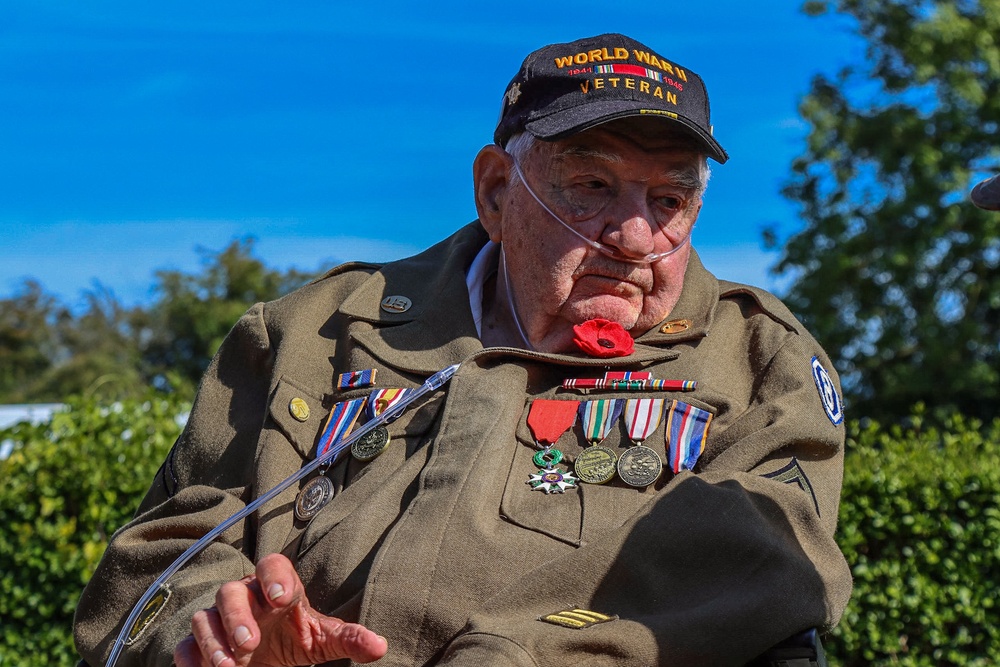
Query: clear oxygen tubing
point(432, 383)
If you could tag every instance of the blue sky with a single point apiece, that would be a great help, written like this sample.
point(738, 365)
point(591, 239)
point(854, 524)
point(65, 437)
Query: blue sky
point(132, 133)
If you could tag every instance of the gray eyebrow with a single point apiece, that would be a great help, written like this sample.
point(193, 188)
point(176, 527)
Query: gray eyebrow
point(688, 177)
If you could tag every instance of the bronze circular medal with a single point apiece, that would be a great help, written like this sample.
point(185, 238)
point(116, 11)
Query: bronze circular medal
point(371, 444)
point(313, 497)
point(639, 466)
point(595, 465)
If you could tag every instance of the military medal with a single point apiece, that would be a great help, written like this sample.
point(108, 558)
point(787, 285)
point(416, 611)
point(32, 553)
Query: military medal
point(596, 464)
point(313, 497)
point(375, 441)
point(548, 420)
point(639, 465)
point(687, 431)
point(371, 444)
point(340, 422)
point(318, 492)
point(552, 480)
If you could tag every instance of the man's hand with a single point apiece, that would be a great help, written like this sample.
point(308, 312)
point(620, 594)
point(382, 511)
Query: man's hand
point(265, 619)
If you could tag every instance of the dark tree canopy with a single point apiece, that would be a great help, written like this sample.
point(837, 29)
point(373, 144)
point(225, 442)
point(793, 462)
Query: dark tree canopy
point(896, 272)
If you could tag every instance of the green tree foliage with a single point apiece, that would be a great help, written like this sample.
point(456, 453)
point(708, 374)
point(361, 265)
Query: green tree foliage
point(28, 341)
point(67, 486)
point(194, 312)
point(920, 525)
point(894, 270)
point(48, 352)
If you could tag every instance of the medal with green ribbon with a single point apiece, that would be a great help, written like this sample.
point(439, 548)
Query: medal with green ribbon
point(548, 420)
point(596, 464)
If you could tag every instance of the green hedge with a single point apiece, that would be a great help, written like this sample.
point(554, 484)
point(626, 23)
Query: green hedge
point(65, 488)
point(920, 524)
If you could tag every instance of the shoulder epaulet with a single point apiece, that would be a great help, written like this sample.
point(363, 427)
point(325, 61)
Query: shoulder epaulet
point(366, 267)
point(769, 304)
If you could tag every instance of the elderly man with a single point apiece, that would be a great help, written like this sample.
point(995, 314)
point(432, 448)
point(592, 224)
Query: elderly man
point(635, 463)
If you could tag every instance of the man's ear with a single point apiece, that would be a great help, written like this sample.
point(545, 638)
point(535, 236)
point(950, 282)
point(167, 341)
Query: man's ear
point(490, 176)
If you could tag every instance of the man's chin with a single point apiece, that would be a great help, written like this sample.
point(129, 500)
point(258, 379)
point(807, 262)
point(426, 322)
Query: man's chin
point(605, 307)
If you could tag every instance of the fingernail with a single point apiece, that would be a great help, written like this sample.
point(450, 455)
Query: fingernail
point(275, 591)
point(242, 635)
point(218, 658)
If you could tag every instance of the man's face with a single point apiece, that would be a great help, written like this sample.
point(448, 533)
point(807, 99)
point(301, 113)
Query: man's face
point(556, 279)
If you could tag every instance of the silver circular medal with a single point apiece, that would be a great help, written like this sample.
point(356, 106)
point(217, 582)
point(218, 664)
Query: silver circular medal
point(371, 444)
point(639, 466)
point(313, 497)
point(595, 465)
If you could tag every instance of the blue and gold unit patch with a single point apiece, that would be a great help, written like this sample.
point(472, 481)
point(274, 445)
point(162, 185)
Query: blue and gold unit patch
point(832, 404)
point(576, 618)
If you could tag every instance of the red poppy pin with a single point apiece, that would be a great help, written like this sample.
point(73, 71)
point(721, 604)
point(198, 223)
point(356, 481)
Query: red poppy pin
point(603, 338)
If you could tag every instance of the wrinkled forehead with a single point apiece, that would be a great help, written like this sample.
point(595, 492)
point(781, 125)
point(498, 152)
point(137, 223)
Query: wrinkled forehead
point(628, 139)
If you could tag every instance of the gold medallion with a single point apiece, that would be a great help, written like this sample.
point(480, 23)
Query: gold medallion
point(639, 466)
point(313, 497)
point(299, 409)
point(371, 444)
point(595, 465)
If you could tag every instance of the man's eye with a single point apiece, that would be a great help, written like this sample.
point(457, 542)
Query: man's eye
point(670, 202)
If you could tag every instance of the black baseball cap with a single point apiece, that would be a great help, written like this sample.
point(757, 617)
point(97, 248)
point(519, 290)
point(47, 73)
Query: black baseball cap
point(562, 89)
point(986, 194)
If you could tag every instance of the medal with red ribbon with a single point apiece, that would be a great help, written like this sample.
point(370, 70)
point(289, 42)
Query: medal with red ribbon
point(340, 422)
point(642, 416)
point(381, 400)
point(548, 420)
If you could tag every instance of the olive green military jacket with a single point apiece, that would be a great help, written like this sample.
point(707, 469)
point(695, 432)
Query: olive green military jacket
point(440, 544)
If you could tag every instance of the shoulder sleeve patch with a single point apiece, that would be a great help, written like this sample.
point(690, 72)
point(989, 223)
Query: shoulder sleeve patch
point(576, 618)
point(794, 474)
point(148, 614)
point(832, 404)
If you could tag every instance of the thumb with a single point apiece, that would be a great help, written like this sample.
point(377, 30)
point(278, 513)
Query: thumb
point(327, 638)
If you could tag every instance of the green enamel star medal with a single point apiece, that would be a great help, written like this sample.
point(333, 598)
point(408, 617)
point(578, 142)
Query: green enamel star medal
point(548, 420)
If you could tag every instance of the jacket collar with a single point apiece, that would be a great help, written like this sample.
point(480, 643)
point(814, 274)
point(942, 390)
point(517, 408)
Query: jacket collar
point(692, 317)
point(437, 329)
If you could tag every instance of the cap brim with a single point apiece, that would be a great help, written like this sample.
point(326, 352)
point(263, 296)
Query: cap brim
point(567, 122)
point(986, 194)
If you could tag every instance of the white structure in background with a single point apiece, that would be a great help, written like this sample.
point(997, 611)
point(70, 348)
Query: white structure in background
point(36, 413)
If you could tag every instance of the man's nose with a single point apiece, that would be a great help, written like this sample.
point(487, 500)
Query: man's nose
point(629, 225)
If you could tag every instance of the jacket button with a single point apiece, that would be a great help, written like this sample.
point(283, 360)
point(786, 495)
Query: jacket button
point(299, 409)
